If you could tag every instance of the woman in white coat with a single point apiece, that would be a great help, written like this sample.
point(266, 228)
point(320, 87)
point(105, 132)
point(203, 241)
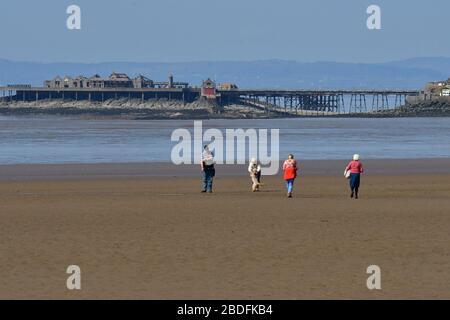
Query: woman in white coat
point(254, 168)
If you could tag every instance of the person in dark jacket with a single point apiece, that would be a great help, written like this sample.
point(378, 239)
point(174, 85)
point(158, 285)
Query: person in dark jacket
point(207, 165)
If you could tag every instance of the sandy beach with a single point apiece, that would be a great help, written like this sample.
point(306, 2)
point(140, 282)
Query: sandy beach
point(145, 231)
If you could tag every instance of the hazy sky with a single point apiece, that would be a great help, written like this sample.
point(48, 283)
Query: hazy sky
point(198, 30)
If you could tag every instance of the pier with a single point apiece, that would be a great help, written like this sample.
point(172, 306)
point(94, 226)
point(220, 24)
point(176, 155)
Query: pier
point(288, 101)
point(320, 101)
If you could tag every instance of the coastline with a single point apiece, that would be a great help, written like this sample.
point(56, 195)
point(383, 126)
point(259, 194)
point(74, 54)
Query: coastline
point(164, 109)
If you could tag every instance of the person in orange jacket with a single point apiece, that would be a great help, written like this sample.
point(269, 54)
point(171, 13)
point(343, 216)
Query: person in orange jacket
point(290, 173)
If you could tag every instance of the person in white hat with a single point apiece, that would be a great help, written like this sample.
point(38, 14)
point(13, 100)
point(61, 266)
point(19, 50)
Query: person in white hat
point(355, 168)
point(254, 168)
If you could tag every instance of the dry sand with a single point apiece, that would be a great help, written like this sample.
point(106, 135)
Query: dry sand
point(150, 237)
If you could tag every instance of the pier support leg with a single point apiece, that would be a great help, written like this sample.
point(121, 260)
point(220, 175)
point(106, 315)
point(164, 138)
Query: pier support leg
point(365, 104)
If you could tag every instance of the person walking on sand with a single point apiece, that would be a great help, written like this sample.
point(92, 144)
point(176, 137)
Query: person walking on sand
point(255, 174)
point(353, 172)
point(290, 173)
point(207, 165)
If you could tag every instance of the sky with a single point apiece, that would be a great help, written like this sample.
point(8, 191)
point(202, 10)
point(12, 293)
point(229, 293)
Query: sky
point(223, 30)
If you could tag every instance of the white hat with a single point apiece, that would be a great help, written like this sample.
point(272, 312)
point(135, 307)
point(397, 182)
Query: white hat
point(356, 157)
point(253, 160)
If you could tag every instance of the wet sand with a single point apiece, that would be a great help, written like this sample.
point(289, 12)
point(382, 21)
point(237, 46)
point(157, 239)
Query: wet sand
point(28, 172)
point(146, 236)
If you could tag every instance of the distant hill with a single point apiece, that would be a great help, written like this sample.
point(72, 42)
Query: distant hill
point(411, 73)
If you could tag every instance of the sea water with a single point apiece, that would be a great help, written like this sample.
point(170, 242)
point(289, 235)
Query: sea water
point(52, 139)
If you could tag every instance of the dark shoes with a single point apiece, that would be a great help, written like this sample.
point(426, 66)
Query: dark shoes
point(289, 195)
point(351, 195)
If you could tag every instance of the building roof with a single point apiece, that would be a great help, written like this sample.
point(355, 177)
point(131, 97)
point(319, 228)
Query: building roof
point(209, 82)
point(141, 77)
point(119, 76)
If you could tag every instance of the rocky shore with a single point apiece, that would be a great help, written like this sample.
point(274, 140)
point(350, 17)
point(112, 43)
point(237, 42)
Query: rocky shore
point(433, 108)
point(132, 109)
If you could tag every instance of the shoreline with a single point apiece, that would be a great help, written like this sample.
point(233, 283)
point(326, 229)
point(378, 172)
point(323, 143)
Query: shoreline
point(139, 170)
